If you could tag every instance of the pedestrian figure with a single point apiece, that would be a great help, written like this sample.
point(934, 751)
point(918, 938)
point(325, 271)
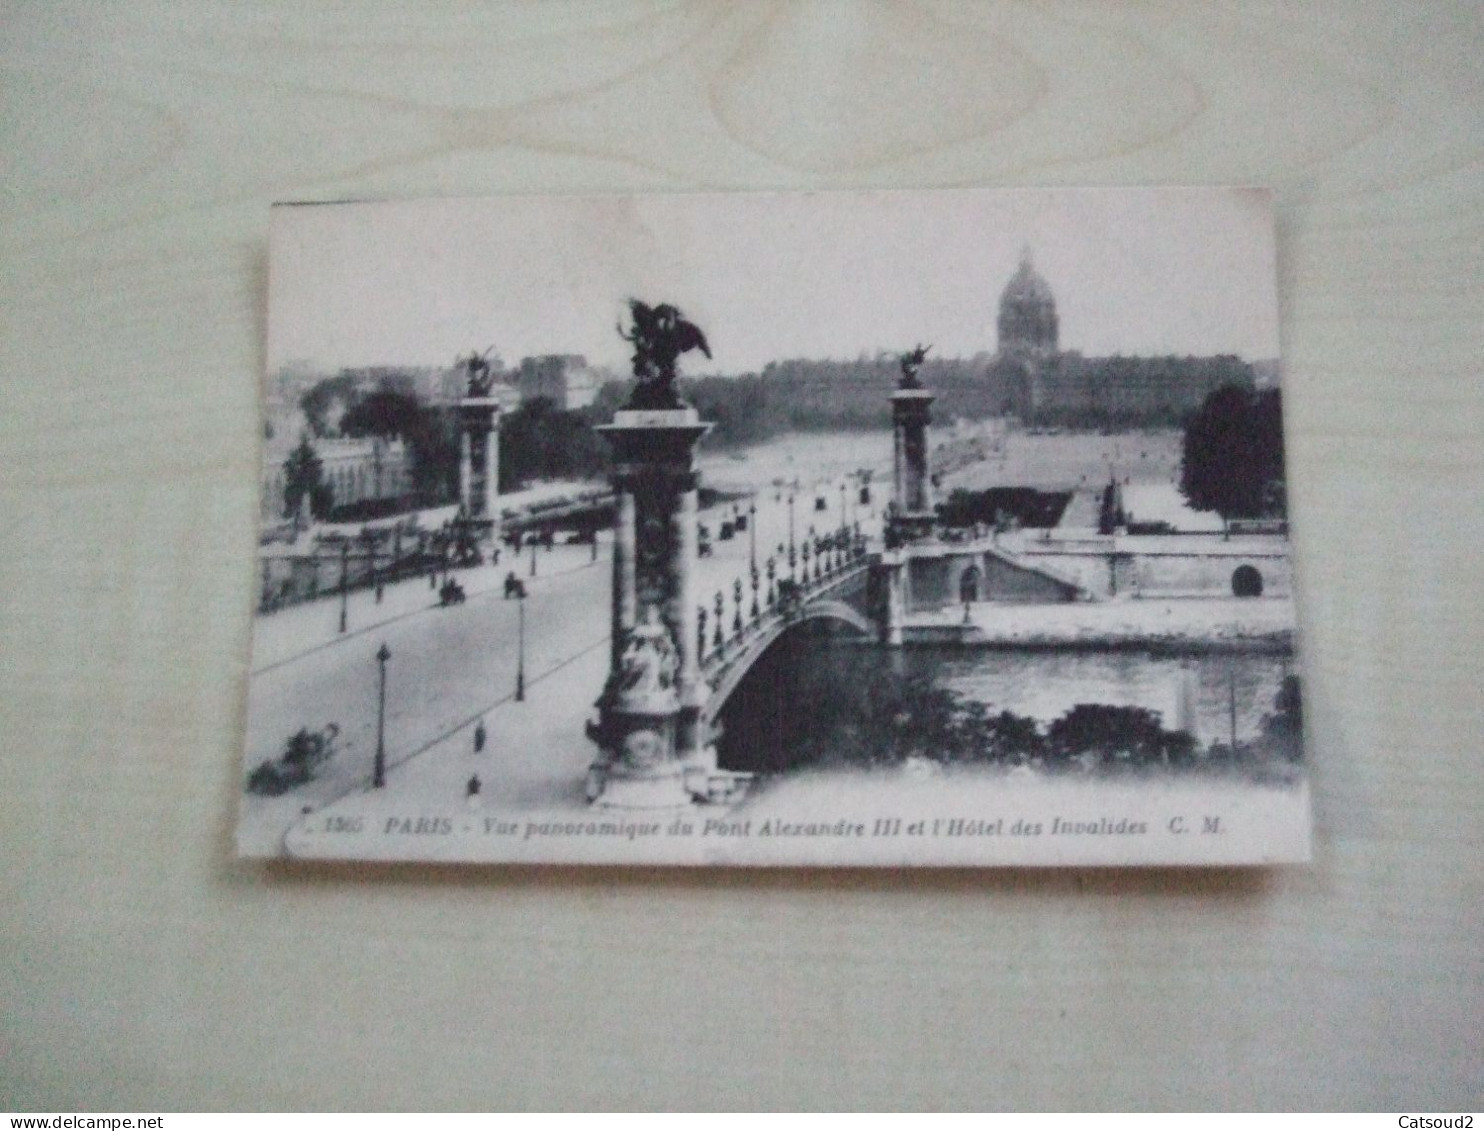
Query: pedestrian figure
point(479, 737)
point(471, 793)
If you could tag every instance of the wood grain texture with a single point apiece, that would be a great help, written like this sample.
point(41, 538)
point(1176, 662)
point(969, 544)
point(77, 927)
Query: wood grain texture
point(145, 969)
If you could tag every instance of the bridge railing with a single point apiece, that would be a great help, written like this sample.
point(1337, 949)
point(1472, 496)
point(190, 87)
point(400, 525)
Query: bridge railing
point(815, 567)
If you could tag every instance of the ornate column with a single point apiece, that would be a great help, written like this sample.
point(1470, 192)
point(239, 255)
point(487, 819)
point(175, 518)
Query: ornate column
point(910, 413)
point(911, 517)
point(692, 745)
point(492, 475)
point(623, 611)
point(896, 600)
point(650, 732)
point(479, 463)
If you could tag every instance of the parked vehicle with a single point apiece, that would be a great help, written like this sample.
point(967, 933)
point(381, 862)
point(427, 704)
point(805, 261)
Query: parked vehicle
point(303, 754)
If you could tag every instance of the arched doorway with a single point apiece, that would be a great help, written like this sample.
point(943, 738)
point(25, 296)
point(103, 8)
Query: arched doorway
point(1246, 582)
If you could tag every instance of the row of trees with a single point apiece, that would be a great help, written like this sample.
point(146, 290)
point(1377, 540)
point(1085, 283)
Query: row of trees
point(1001, 507)
point(889, 719)
point(861, 713)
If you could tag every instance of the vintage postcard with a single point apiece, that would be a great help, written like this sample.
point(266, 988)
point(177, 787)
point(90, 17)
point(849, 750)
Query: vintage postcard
point(868, 529)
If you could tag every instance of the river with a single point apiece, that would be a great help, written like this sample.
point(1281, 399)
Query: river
point(817, 699)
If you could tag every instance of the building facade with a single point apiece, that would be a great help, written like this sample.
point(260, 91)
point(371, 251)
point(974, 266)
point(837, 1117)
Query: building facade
point(565, 379)
point(1045, 384)
point(355, 470)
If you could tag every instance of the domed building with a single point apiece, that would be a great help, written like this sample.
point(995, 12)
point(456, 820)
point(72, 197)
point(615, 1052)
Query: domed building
point(1032, 378)
point(1027, 324)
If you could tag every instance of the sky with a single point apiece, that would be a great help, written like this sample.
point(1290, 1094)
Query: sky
point(768, 276)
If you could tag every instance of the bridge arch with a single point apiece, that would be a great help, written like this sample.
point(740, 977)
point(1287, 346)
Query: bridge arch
point(733, 670)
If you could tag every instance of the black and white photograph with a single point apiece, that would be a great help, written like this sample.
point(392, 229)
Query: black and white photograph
point(849, 529)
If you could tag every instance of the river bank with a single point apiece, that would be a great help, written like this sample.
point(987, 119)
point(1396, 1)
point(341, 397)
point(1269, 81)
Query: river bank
point(1196, 622)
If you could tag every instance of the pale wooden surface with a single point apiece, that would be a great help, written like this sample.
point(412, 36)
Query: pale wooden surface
point(144, 969)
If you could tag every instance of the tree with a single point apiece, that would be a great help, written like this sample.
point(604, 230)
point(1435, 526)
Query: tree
point(431, 436)
point(303, 475)
point(321, 402)
point(1111, 514)
point(540, 441)
point(1004, 738)
point(1284, 728)
point(1233, 454)
point(1103, 733)
point(384, 414)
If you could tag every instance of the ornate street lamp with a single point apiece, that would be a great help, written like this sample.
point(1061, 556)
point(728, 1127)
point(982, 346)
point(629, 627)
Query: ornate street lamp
point(700, 633)
point(792, 557)
point(344, 580)
point(378, 769)
point(772, 592)
point(752, 536)
point(737, 599)
point(520, 647)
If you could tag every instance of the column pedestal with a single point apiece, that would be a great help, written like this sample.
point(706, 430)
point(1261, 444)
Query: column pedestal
point(912, 514)
point(479, 465)
point(892, 569)
point(650, 732)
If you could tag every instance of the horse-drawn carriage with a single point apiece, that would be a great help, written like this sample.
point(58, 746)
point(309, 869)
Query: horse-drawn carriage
point(303, 754)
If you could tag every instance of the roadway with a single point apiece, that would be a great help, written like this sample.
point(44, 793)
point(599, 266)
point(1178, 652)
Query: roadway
point(451, 667)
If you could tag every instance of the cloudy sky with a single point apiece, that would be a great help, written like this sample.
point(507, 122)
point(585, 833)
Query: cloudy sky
point(768, 276)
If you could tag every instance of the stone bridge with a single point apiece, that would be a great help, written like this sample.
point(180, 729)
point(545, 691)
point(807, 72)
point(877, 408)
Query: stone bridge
point(674, 662)
point(836, 578)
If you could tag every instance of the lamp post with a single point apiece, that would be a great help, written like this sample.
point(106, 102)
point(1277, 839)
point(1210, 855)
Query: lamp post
point(370, 540)
point(791, 553)
point(344, 580)
point(520, 647)
point(378, 769)
point(752, 536)
point(752, 555)
point(534, 540)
